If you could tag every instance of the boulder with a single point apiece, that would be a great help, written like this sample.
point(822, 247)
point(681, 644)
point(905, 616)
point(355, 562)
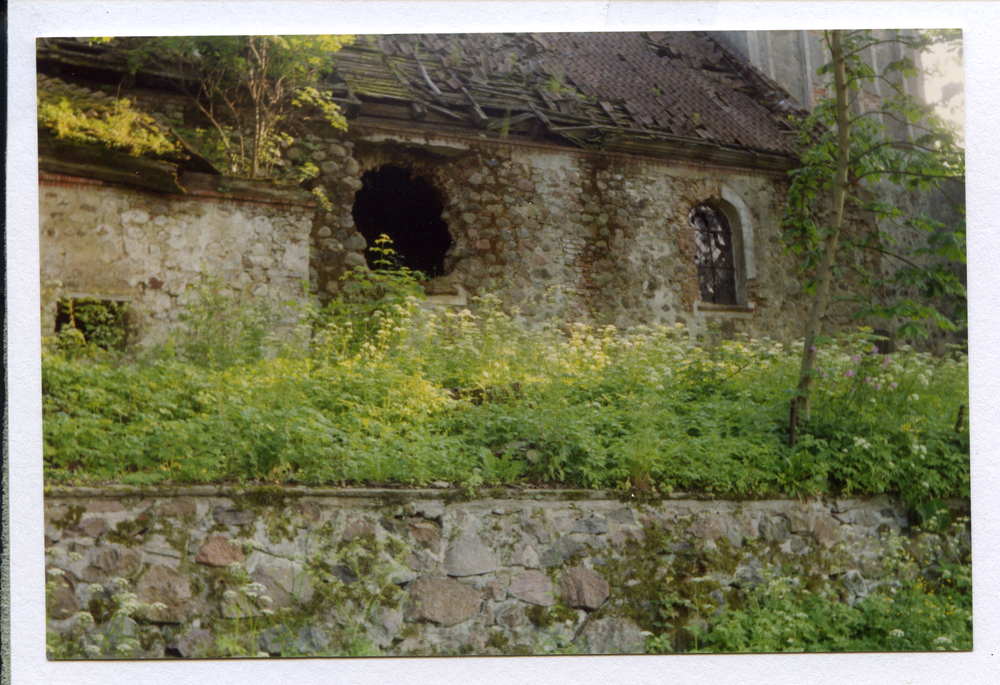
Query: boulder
point(443, 601)
point(469, 556)
point(533, 587)
point(584, 589)
point(613, 636)
point(167, 587)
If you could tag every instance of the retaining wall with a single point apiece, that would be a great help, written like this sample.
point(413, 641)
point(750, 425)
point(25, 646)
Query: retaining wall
point(422, 572)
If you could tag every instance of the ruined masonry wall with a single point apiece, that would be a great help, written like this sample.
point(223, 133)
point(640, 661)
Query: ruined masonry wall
point(592, 237)
point(414, 572)
point(152, 248)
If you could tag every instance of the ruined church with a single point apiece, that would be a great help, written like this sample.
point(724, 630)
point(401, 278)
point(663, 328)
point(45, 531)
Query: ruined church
point(616, 178)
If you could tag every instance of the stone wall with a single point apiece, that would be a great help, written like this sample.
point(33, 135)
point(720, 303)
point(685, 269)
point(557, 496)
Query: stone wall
point(149, 249)
point(422, 572)
point(590, 236)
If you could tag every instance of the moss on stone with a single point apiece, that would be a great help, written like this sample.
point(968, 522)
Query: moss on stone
point(74, 512)
point(127, 533)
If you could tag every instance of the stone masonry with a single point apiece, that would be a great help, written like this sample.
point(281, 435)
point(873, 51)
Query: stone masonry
point(419, 573)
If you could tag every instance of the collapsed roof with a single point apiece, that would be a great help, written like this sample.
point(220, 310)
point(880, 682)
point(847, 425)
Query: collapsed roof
point(662, 94)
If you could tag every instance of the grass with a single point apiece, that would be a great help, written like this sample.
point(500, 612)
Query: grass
point(375, 390)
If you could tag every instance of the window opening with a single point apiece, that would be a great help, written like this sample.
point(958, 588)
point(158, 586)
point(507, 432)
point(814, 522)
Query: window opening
point(715, 256)
point(104, 323)
point(395, 202)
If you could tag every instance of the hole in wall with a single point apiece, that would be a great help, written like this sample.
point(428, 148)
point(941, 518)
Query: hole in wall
point(395, 202)
point(105, 323)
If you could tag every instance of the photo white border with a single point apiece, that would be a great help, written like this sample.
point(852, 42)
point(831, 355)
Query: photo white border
point(28, 19)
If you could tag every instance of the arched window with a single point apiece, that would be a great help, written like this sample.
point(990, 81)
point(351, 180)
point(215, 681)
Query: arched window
point(718, 277)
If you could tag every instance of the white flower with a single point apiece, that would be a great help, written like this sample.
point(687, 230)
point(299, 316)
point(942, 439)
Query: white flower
point(54, 572)
point(896, 632)
point(84, 617)
point(942, 640)
point(230, 595)
point(92, 651)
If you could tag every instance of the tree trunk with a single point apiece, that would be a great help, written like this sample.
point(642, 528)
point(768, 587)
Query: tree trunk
point(820, 300)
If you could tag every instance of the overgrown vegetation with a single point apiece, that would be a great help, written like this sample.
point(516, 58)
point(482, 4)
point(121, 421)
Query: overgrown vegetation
point(922, 603)
point(252, 91)
point(374, 389)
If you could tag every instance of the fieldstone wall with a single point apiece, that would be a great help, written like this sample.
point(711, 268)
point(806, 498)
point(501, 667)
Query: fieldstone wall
point(423, 572)
point(592, 237)
point(113, 243)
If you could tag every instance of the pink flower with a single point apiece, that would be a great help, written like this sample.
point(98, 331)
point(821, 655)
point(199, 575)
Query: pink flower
point(849, 373)
point(885, 361)
point(868, 379)
point(874, 349)
point(826, 375)
point(893, 385)
point(878, 386)
point(855, 359)
point(814, 349)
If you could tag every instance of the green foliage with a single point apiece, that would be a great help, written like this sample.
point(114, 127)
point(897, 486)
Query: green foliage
point(375, 389)
point(915, 608)
point(920, 284)
point(252, 90)
point(119, 127)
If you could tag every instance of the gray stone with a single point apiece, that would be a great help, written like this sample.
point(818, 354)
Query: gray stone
point(294, 153)
point(443, 601)
point(282, 640)
point(193, 642)
point(511, 615)
point(351, 168)
point(468, 555)
point(353, 259)
point(623, 515)
point(109, 561)
point(773, 529)
point(584, 589)
point(533, 587)
point(563, 549)
point(536, 529)
point(747, 575)
point(168, 587)
point(60, 596)
point(425, 534)
point(337, 150)
point(594, 525)
point(613, 636)
point(356, 243)
point(228, 516)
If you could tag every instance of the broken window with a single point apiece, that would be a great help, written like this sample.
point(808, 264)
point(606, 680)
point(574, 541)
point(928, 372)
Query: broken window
point(104, 323)
point(396, 202)
point(715, 256)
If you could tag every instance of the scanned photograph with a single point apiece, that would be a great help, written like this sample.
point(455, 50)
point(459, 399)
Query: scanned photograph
point(504, 344)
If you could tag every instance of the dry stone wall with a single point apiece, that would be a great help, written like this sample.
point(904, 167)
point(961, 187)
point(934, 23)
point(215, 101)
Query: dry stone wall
point(419, 573)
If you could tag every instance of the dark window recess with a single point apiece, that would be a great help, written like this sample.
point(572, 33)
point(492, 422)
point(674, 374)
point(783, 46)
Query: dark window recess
point(716, 266)
point(405, 207)
point(104, 323)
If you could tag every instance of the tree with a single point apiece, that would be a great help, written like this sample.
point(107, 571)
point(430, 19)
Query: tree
point(848, 158)
point(251, 89)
